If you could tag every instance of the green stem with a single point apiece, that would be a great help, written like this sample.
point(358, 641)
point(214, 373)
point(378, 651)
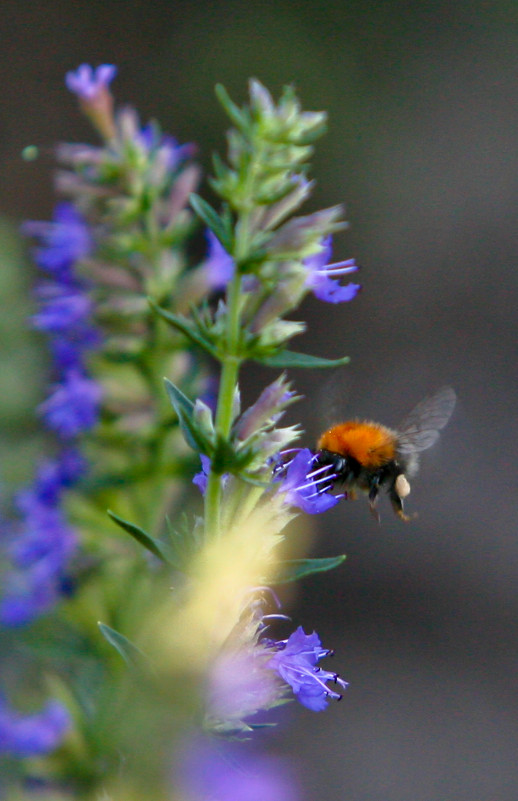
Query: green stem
point(232, 360)
point(231, 363)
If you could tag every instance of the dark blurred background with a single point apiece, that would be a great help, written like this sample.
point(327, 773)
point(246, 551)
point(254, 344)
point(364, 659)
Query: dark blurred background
point(421, 147)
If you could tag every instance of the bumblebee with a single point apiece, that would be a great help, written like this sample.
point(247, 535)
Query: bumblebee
point(367, 456)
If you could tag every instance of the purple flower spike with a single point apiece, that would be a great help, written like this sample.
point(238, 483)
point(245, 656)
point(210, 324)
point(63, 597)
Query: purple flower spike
point(73, 407)
point(87, 82)
point(41, 544)
point(306, 487)
point(32, 735)
point(321, 276)
point(64, 241)
point(296, 663)
point(62, 311)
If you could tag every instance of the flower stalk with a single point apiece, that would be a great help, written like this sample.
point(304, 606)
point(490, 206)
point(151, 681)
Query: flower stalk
point(185, 640)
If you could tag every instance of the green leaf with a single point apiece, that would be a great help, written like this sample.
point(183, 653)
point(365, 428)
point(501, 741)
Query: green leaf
point(132, 655)
point(186, 327)
point(210, 217)
point(294, 569)
point(238, 117)
point(184, 409)
point(159, 549)
point(288, 358)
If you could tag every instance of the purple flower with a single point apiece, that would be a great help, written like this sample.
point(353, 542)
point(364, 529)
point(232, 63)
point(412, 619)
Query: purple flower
point(173, 154)
point(29, 593)
point(215, 770)
point(47, 540)
point(201, 478)
point(63, 310)
point(240, 687)
point(220, 266)
point(52, 476)
point(64, 241)
point(73, 406)
point(42, 542)
point(65, 307)
point(306, 487)
point(32, 735)
point(296, 663)
point(320, 277)
point(87, 82)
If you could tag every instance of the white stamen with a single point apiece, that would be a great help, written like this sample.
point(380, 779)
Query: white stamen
point(339, 268)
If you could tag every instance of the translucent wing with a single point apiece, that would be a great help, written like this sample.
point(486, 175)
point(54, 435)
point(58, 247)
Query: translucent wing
point(421, 428)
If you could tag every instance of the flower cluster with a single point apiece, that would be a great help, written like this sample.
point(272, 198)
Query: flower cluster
point(45, 541)
point(304, 485)
point(32, 735)
point(42, 543)
point(116, 268)
point(296, 660)
point(93, 311)
point(246, 678)
point(65, 316)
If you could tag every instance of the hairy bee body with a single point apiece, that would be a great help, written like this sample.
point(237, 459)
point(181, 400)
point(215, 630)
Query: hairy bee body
point(369, 456)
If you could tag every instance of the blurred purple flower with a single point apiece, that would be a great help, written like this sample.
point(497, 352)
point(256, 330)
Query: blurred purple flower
point(62, 309)
point(296, 663)
point(220, 266)
point(214, 770)
point(201, 478)
point(87, 82)
point(73, 406)
point(240, 687)
point(52, 476)
point(32, 735)
point(41, 542)
point(64, 241)
point(320, 277)
point(174, 154)
point(65, 307)
point(306, 487)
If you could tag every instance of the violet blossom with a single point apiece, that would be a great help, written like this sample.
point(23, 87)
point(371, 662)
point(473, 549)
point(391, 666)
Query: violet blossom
point(305, 486)
point(296, 663)
point(32, 735)
point(321, 276)
point(87, 82)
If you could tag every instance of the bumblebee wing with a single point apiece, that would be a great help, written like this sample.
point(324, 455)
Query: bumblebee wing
point(421, 428)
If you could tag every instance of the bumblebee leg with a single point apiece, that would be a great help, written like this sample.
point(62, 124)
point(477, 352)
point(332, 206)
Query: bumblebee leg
point(373, 499)
point(352, 495)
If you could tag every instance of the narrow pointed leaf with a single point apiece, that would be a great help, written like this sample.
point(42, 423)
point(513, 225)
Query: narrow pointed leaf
point(238, 117)
point(186, 327)
point(289, 358)
point(132, 655)
point(294, 569)
point(209, 216)
point(159, 549)
point(184, 408)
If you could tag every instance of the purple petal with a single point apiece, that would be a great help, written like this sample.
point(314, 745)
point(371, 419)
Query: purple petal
point(73, 407)
point(87, 82)
point(32, 735)
point(220, 265)
point(300, 488)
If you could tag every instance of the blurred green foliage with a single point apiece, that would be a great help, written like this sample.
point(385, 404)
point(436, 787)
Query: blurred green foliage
point(23, 362)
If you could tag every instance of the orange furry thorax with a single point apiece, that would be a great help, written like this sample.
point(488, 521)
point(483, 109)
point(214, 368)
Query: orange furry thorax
point(371, 444)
